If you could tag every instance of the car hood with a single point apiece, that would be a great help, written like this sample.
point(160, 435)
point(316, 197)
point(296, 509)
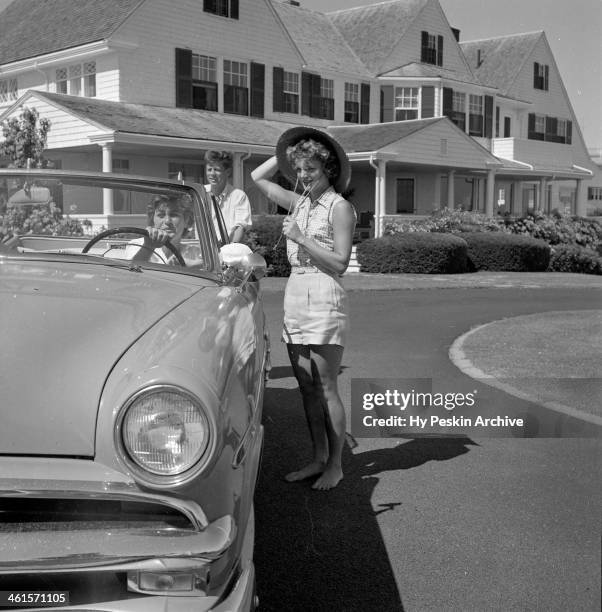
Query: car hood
point(63, 327)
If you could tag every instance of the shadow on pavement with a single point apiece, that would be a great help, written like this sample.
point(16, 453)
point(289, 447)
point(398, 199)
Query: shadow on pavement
point(324, 550)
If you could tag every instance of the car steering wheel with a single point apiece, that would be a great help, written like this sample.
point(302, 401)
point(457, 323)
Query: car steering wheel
point(132, 230)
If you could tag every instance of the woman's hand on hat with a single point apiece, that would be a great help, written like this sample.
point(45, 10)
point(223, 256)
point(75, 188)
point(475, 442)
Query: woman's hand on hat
point(291, 230)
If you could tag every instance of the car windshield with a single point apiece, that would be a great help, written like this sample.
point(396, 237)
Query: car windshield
point(107, 219)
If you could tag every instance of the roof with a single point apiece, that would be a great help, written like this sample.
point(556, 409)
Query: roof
point(502, 58)
point(418, 70)
point(168, 121)
point(373, 31)
point(30, 28)
point(374, 136)
point(319, 42)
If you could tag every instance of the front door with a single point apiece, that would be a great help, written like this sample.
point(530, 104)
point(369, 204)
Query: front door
point(405, 196)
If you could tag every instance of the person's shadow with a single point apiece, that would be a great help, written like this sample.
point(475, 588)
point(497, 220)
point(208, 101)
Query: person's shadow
point(319, 550)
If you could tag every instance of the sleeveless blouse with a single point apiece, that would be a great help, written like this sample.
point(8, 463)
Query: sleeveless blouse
point(315, 222)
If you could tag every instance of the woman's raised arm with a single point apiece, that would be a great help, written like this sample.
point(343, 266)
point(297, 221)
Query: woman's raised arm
point(261, 176)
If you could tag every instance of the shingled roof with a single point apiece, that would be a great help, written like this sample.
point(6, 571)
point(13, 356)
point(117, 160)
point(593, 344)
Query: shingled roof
point(502, 58)
point(170, 122)
point(29, 28)
point(373, 31)
point(374, 136)
point(319, 42)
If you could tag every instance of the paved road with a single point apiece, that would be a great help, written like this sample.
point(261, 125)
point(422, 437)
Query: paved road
point(428, 524)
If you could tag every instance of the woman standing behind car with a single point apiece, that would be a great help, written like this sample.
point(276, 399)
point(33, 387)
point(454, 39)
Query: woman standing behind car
point(319, 232)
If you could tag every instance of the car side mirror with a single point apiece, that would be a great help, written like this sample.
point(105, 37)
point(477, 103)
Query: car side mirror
point(241, 263)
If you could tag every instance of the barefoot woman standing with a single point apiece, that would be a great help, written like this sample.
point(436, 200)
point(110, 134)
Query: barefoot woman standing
point(319, 232)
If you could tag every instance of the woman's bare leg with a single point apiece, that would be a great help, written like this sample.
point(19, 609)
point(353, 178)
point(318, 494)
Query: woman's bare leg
point(326, 362)
point(303, 369)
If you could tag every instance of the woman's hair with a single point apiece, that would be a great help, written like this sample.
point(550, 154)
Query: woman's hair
point(219, 157)
point(311, 149)
point(175, 202)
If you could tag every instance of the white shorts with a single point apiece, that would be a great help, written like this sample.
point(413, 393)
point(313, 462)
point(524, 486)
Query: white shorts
point(315, 309)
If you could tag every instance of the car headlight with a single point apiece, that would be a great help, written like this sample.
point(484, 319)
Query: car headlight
point(164, 431)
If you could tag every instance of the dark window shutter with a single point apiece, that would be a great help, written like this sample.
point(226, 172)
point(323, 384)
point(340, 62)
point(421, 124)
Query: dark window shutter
point(386, 103)
point(210, 6)
point(488, 116)
point(314, 106)
point(531, 126)
point(257, 89)
point(424, 47)
point(184, 78)
point(277, 90)
point(439, 50)
point(234, 10)
point(497, 121)
point(428, 102)
point(507, 127)
point(305, 93)
point(536, 75)
point(569, 132)
point(448, 102)
point(365, 103)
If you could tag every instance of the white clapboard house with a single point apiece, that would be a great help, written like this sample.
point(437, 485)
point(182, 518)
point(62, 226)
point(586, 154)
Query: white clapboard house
point(428, 120)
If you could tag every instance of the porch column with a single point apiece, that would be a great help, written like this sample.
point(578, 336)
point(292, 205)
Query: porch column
point(107, 166)
point(580, 200)
point(489, 193)
point(517, 198)
point(554, 196)
point(380, 197)
point(238, 174)
point(542, 194)
point(450, 189)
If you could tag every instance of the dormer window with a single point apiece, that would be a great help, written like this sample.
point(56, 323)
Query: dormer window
point(222, 8)
point(540, 76)
point(431, 51)
point(77, 80)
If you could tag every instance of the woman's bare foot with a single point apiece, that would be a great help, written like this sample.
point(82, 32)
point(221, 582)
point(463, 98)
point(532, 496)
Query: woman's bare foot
point(329, 479)
point(315, 467)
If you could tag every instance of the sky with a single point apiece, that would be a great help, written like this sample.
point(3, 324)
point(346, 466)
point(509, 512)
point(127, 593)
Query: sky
point(573, 29)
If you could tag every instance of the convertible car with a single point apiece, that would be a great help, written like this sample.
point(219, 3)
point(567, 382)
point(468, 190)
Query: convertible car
point(132, 374)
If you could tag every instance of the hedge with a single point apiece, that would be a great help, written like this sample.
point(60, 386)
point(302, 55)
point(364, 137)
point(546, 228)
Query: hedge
point(571, 258)
point(418, 253)
point(506, 252)
point(265, 237)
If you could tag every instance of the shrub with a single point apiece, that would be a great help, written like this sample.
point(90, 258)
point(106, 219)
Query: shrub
point(571, 258)
point(263, 236)
point(446, 220)
point(418, 253)
point(506, 252)
point(40, 219)
point(559, 228)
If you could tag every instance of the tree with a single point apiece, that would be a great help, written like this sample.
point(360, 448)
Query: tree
point(24, 138)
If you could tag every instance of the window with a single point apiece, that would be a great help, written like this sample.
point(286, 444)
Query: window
point(458, 114)
point(550, 129)
point(431, 51)
point(475, 115)
point(290, 92)
point(204, 82)
point(77, 78)
point(540, 76)
point(352, 103)
point(594, 193)
point(326, 104)
point(8, 90)
point(222, 8)
point(236, 92)
point(194, 173)
point(406, 103)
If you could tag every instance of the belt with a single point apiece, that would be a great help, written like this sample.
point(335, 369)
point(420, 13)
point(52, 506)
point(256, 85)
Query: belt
point(305, 270)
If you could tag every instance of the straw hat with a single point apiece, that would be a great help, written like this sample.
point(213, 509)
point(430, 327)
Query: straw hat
point(340, 182)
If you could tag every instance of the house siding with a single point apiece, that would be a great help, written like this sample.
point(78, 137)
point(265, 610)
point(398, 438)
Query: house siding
point(432, 20)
